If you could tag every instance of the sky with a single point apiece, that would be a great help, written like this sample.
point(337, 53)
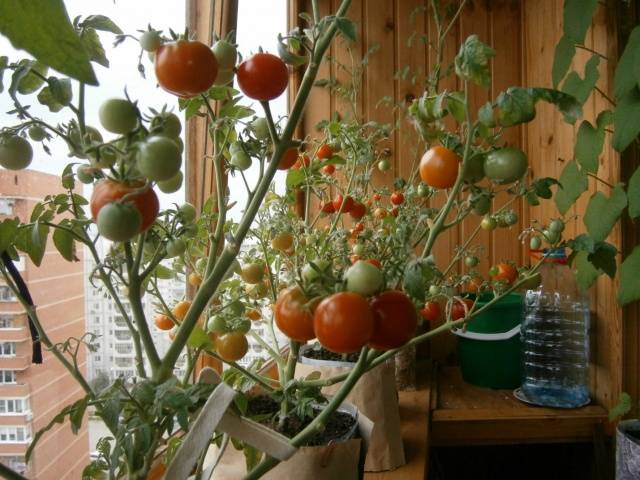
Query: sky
point(132, 16)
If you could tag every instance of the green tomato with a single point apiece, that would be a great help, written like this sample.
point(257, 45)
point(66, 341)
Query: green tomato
point(15, 153)
point(535, 243)
point(167, 124)
point(481, 205)
point(236, 308)
point(190, 231)
point(260, 128)
point(235, 147)
point(37, 133)
point(488, 223)
point(85, 174)
point(423, 190)
point(118, 222)
point(310, 274)
point(493, 271)
point(434, 290)
point(175, 247)
point(172, 185)
point(506, 165)
point(510, 218)
point(104, 157)
point(225, 53)
point(187, 212)
point(240, 160)
point(471, 261)
point(150, 41)
point(217, 324)
point(556, 226)
point(358, 249)
point(364, 278)
point(384, 165)
point(475, 169)
point(159, 158)
point(243, 326)
point(201, 264)
point(224, 77)
point(118, 115)
point(551, 236)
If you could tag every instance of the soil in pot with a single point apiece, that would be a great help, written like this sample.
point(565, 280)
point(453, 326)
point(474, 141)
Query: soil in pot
point(318, 352)
point(263, 408)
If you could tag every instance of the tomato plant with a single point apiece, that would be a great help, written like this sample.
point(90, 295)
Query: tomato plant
point(232, 346)
point(293, 314)
point(506, 165)
point(460, 308)
point(395, 320)
point(363, 278)
point(119, 221)
point(288, 159)
point(324, 152)
point(143, 199)
point(505, 272)
point(431, 311)
point(185, 68)
point(263, 77)
point(343, 322)
point(439, 167)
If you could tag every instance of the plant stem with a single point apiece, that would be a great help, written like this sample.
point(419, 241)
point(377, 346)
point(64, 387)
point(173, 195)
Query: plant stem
point(256, 378)
point(294, 348)
point(592, 175)
point(605, 96)
point(591, 50)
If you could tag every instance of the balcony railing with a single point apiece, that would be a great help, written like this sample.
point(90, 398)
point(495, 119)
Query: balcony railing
point(18, 362)
point(14, 390)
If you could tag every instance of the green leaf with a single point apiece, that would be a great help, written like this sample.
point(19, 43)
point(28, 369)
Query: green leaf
point(57, 94)
point(347, 28)
point(63, 240)
point(8, 231)
point(93, 46)
point(633, 192)
point(30, 81)
point(287, 56)
point(573, 183)
point(629, 290)
point(583, 242)
point(163, 272)
point(472, 61)
point(590, 141)
point(517, 105)
point(576, 18)
point(626, 120)
point(198, 338)
point(4, 61)
point(455, 105)
point(603, 213)
point(562, 58)
point(542, 187)
point(625, 79)
point(42, 28)
point(485, 115)
point(604, 258)
point(295, 177)
point(36, 242)
point(622, 408)
point(586, 273)
point(582, 88)
point(101, 22)
point(567, 104)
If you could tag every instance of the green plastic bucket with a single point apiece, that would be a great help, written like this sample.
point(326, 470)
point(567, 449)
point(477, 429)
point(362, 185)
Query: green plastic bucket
point(489, 350)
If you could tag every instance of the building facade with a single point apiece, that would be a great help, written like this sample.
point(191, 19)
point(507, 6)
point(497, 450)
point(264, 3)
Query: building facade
point(31, 395)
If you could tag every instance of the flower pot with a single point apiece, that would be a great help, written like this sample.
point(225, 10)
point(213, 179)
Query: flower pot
point(489, 349)
point(376, 397)
point(628, 450)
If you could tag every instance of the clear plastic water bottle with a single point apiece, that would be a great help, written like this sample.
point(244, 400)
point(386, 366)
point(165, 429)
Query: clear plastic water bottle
point(555, 337)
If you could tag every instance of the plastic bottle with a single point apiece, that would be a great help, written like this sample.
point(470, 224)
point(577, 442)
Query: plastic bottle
point(555, 337)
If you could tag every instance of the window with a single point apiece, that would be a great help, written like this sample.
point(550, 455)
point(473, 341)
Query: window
point(15, 462)
point(6, 206)
point(9, 406)
point(6, 321)
point(15, 434)
point(7, 376)
point(6, 295)
point(7, 349)
point(124, 348)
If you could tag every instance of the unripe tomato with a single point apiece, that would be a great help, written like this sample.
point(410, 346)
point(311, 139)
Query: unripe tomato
point(434, 290)
point(167, 124)
point(260, 128)
point(384, 165)
point(505, 272)
point(263, 77)
point(471, 261)
point(439, 167)
point(475, 169)
point(556, 226)
point(431, 311)
point(195, 279)
point(310, 274)
point(358, 249)
point(510, 218)
point(187, 212)
point(294, 315)
point(488, 223)
point(375, 262)
point(505, 165)
point(329, 169)
point(217, 324)
point(252, 273)
point(481, 205)
point(343, 322)
point(232, 347)
point(85, 174)
point(289, 158)
point(15, 153)
point(163, 322)
point(37, 133)
point(159, 158)
point(423, 190)
point(551, 236)
point(172, 185)
point(282, 241)
point(397, 198)
point(363, 278)
point(226, 54)
point(175, 247)
point(535, 243)
point(395, 320)
point(345, 203)
point(240, 160)
point(185, 68)
point(118, 222)
point(118, 115)
point(180, 309)
point(358, 210)
point(380, 212)
point(324, 152)
point(145, 201)
point(461, 308)
point(150, 41)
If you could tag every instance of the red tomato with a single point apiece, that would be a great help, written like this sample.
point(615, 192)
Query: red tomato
point(185, 68)
point(395, 318)
point(343, 322)
point(431, 311)
point(293, 315)
point(375, 262)
point(328, 207)
point(163, 322)
point(289, 158)
point(324, 152)
point(329, 169)
point(397, 198)
point(358, 210)
point(458, 309)
point(339, 201)
point(377, 197)
point(263, 77)
point(107, 191)
point(395, 211)
point(358, 227)
point(439, 167)
point(506, 272)
point(302, 160)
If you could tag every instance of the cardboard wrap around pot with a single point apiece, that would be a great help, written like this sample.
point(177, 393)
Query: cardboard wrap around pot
point(376, 397)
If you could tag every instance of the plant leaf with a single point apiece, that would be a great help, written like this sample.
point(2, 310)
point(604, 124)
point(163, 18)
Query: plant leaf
point(101, 22)
point(633, 193)
point(562, 58)
point(629, 290)
point(625, 80)
point(573, 183)
point(93, 46)
point(586, 273)
point(57, 94)
point(295, 177)
point(347, 28)
point(42, 28)
point(8, 230)
point(626, 120)
point(63, 240)
point(602, 212)
point(198, 338)
point(582, 88)
point(287, 56)
point(30, 81)
point(576, 18)
point(604, 258)
point(590, 141)
point(472, 61)
point(623, 407)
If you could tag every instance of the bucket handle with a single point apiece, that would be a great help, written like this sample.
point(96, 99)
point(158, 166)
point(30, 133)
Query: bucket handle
point(488, 336)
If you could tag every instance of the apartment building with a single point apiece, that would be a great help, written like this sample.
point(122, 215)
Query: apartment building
point(31, 395)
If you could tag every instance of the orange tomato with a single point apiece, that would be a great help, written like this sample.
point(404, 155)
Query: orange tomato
point(163, 322)
point(505, 272)
point(439, 167)
point(180, 309)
